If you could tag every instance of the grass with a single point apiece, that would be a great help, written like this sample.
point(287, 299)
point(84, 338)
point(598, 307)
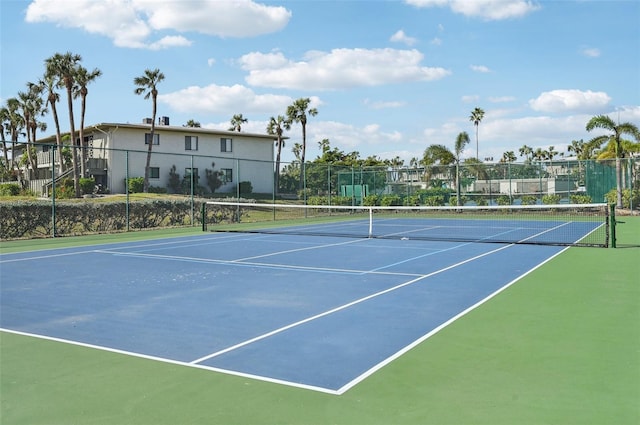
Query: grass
point(561, 346)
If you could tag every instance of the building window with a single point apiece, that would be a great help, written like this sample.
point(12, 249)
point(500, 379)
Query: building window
point(190, 143)
point(187, 174)
point(225, 145)
point(154, 172)
point(156, 138)
point(226, 175)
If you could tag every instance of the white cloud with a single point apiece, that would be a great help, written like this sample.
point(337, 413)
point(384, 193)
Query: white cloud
point(383, 105)
point(501, 99)
point(131, 23)
point(480, 68)
point(211, 62)
point(401, 37)
point(486, 9)
point(472, 98)
point(570, 100)
point(222, 99)
point(436, 41)
point(339, 68)
point(590, 52)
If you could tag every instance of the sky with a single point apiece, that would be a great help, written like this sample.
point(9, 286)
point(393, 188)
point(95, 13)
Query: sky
point(387, 77)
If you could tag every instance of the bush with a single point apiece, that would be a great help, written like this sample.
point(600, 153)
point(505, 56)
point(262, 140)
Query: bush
point(65, 189)
point(453, 200)
point(528, 200)
point(9, 189)
point(245, 188)
point(371, 200)
point(551, 199)
point(628, 197)
point(580, 199)
point(503, 200)
point(390, 200)
point(434, 200)
point(87, 185)
point(135, 184)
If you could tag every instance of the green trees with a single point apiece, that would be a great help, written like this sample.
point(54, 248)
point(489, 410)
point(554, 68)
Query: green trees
point(476, 117)
point(147, 86)
point(276, 127)
point(236, 122)
point(297, 112)
point(616, 131)
point(83, 77)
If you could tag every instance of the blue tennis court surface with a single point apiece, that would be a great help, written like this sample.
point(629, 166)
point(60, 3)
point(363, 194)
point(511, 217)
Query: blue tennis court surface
point(317, 312)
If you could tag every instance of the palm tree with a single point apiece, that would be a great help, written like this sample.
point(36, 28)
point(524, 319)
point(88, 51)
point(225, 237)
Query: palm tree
point(442, 155)
point(31, 104)
point(276, 127)
point(192, 123)
point(64, 67)
point(236, 122)
point(13, 123)
point(83, 78)
point(476, 117)
point(526, 152)
point(297, 112)
point(461, 141)
point(50, 82)
point(147, 85)
point(615, 136)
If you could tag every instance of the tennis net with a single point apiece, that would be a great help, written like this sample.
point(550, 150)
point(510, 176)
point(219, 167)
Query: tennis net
point(563, 224)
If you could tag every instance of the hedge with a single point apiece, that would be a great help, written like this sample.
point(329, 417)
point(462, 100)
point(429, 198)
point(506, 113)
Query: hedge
point(33, 219)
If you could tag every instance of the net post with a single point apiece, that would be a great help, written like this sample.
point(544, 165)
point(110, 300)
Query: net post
point(612, 221)
point(370, 222)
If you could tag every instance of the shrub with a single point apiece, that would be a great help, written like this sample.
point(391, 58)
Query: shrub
point(9, 189)
point(87, 185)
point(503, 200)
point(628, 197)
point(528, 200)
point(135, 184)
point(551, 199)
point(371, 200)
point(453, 200)
point(65, 189)
point(580, 199)
point(390, 200)
point(434, 200)
point(246, 188)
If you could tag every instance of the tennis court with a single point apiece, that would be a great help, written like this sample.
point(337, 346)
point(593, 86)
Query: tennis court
point(317, 312)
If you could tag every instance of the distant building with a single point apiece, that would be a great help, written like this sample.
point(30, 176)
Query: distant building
point(116, 151)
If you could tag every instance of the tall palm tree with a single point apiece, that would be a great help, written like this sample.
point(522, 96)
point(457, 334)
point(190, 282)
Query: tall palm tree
point(13, 124)
point(297, 112)
point(476, 117)
point(276, 127)
point(50, 83)
point(83, 78)
point(616, 131)
point(31, 104)
point(526, 152)
point(462, 140)
point(147, 86)
point(64, 67)
point(236, 122)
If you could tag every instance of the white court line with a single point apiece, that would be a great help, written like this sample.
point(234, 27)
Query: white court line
point(344, 306)
point(255, 264)
point(170, 361)
point(434, 331)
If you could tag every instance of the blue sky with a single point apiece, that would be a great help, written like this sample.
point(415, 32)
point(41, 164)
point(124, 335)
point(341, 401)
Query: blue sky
point(388, 78)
